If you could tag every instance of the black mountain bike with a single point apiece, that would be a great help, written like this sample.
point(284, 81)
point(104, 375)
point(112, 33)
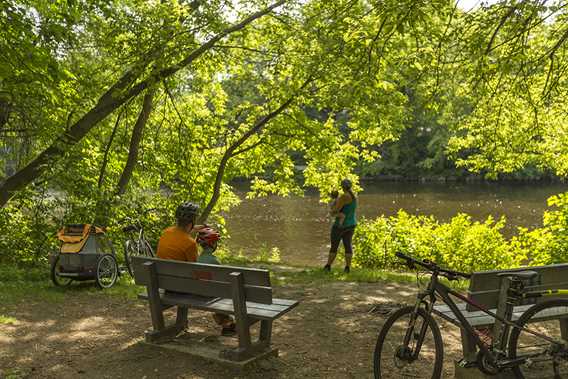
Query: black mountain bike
point(410, 344)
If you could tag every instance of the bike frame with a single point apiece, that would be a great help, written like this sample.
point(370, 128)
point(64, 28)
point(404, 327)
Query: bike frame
point(137, 240)
point(444, 292)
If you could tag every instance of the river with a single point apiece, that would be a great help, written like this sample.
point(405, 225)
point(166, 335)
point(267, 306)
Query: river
point(299, 226)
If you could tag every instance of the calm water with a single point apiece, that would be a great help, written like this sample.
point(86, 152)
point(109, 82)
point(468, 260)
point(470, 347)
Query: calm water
point(299, 226)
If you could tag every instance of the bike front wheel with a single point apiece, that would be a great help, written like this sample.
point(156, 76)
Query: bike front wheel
point(421, 357)
point(130, 250)
point(543, 359)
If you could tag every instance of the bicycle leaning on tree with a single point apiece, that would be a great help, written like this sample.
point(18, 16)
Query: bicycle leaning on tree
point(410, 342)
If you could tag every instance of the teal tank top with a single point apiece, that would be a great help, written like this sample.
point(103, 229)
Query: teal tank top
point(349, 211)
point(207, 258)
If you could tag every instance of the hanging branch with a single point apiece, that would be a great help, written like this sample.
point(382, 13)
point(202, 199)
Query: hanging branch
point(107, 149)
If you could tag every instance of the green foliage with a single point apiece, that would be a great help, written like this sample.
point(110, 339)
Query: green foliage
point(27, 229)
point(339, 82)
point(462, 244)
point(556, 223)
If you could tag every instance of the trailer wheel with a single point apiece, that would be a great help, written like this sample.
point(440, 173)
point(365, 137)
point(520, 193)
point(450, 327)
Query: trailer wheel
point(107, 271)
point(59, 281)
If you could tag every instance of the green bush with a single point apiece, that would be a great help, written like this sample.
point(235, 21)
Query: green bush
point(556, 223)
point(463, 244)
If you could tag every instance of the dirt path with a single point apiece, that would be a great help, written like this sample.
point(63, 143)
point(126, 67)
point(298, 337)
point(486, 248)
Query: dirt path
point(330, 335)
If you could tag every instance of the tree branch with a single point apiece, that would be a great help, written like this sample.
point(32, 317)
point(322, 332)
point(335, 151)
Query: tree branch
point(107, 149)
point(118, 94)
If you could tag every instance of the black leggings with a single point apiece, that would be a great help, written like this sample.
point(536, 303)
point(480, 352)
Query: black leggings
point(339, 234)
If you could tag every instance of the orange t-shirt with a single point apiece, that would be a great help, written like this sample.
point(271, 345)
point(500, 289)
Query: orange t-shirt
point(176, 244)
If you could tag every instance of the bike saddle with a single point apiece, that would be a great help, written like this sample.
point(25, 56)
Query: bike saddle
point(130, 228)
point(523, 275)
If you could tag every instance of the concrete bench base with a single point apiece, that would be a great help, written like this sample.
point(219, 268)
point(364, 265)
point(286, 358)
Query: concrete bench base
point(211, 348)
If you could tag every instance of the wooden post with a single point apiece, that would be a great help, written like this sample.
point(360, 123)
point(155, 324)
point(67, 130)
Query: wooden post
point(154, 297)
point(504, 310)
point(240, 306)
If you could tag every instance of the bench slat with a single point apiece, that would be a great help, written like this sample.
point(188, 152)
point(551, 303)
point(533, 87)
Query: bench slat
point(250, 304)
point(252, 276)
point(254, 310)
point(489, 298)
point(481, 319)
point(484, 286)
point(488, 280)
point(207, 287)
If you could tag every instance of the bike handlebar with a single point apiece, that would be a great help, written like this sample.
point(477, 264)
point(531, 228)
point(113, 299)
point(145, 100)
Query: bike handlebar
point(431, 266)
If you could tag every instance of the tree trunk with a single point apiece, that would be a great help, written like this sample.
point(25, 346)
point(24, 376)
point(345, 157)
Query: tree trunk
point(137, 134)
point(122, 91)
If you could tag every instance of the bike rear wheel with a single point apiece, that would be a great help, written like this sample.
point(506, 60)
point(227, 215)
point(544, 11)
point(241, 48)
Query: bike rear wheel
point(145, 249)
point(392, 359)
point(134, 248)
point(544, 359)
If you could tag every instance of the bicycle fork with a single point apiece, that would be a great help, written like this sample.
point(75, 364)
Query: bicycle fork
point(409, 353)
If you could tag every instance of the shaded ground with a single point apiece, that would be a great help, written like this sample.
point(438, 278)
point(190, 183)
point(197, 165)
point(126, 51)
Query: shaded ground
point(95, 335)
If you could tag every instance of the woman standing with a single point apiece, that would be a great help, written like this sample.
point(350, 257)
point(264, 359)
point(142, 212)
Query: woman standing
point(342, 230)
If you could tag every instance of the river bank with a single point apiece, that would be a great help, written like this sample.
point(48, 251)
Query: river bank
point(299, 226)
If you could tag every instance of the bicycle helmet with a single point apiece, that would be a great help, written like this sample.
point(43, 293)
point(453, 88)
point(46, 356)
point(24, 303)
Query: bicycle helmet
point(187, 211)
point(208, 236)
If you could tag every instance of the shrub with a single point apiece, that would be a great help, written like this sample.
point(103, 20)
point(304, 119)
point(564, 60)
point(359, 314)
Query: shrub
point(462, 244)
point(556, 223)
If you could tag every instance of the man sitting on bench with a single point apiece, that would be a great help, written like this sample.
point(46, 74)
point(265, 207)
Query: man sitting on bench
point(177, 244)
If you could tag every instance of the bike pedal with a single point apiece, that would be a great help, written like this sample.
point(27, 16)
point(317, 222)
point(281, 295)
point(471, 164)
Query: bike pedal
point(467, 364)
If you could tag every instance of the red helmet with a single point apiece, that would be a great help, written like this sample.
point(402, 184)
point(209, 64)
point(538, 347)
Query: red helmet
point(208, 236)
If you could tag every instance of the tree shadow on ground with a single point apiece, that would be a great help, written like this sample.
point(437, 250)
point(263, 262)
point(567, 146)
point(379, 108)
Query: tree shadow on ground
point(331, 334)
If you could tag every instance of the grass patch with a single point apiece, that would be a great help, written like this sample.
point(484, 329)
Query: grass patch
point(7, 320)
point(25, 284)
point(312, 275)
point(33, 283)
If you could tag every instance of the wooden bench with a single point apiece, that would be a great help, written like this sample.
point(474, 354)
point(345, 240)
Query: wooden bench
point(489, 290)
point(245, 293)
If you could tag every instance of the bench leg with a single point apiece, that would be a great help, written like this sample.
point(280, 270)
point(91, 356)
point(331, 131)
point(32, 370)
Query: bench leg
point(156, 308)
point(265, 332)
point(564, 328)
point(469, 347)
point(181, 317)
point(166, 333)
point(241, 319)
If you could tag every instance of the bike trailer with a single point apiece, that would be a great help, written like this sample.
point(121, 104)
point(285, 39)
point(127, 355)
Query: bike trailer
point(82, 246)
